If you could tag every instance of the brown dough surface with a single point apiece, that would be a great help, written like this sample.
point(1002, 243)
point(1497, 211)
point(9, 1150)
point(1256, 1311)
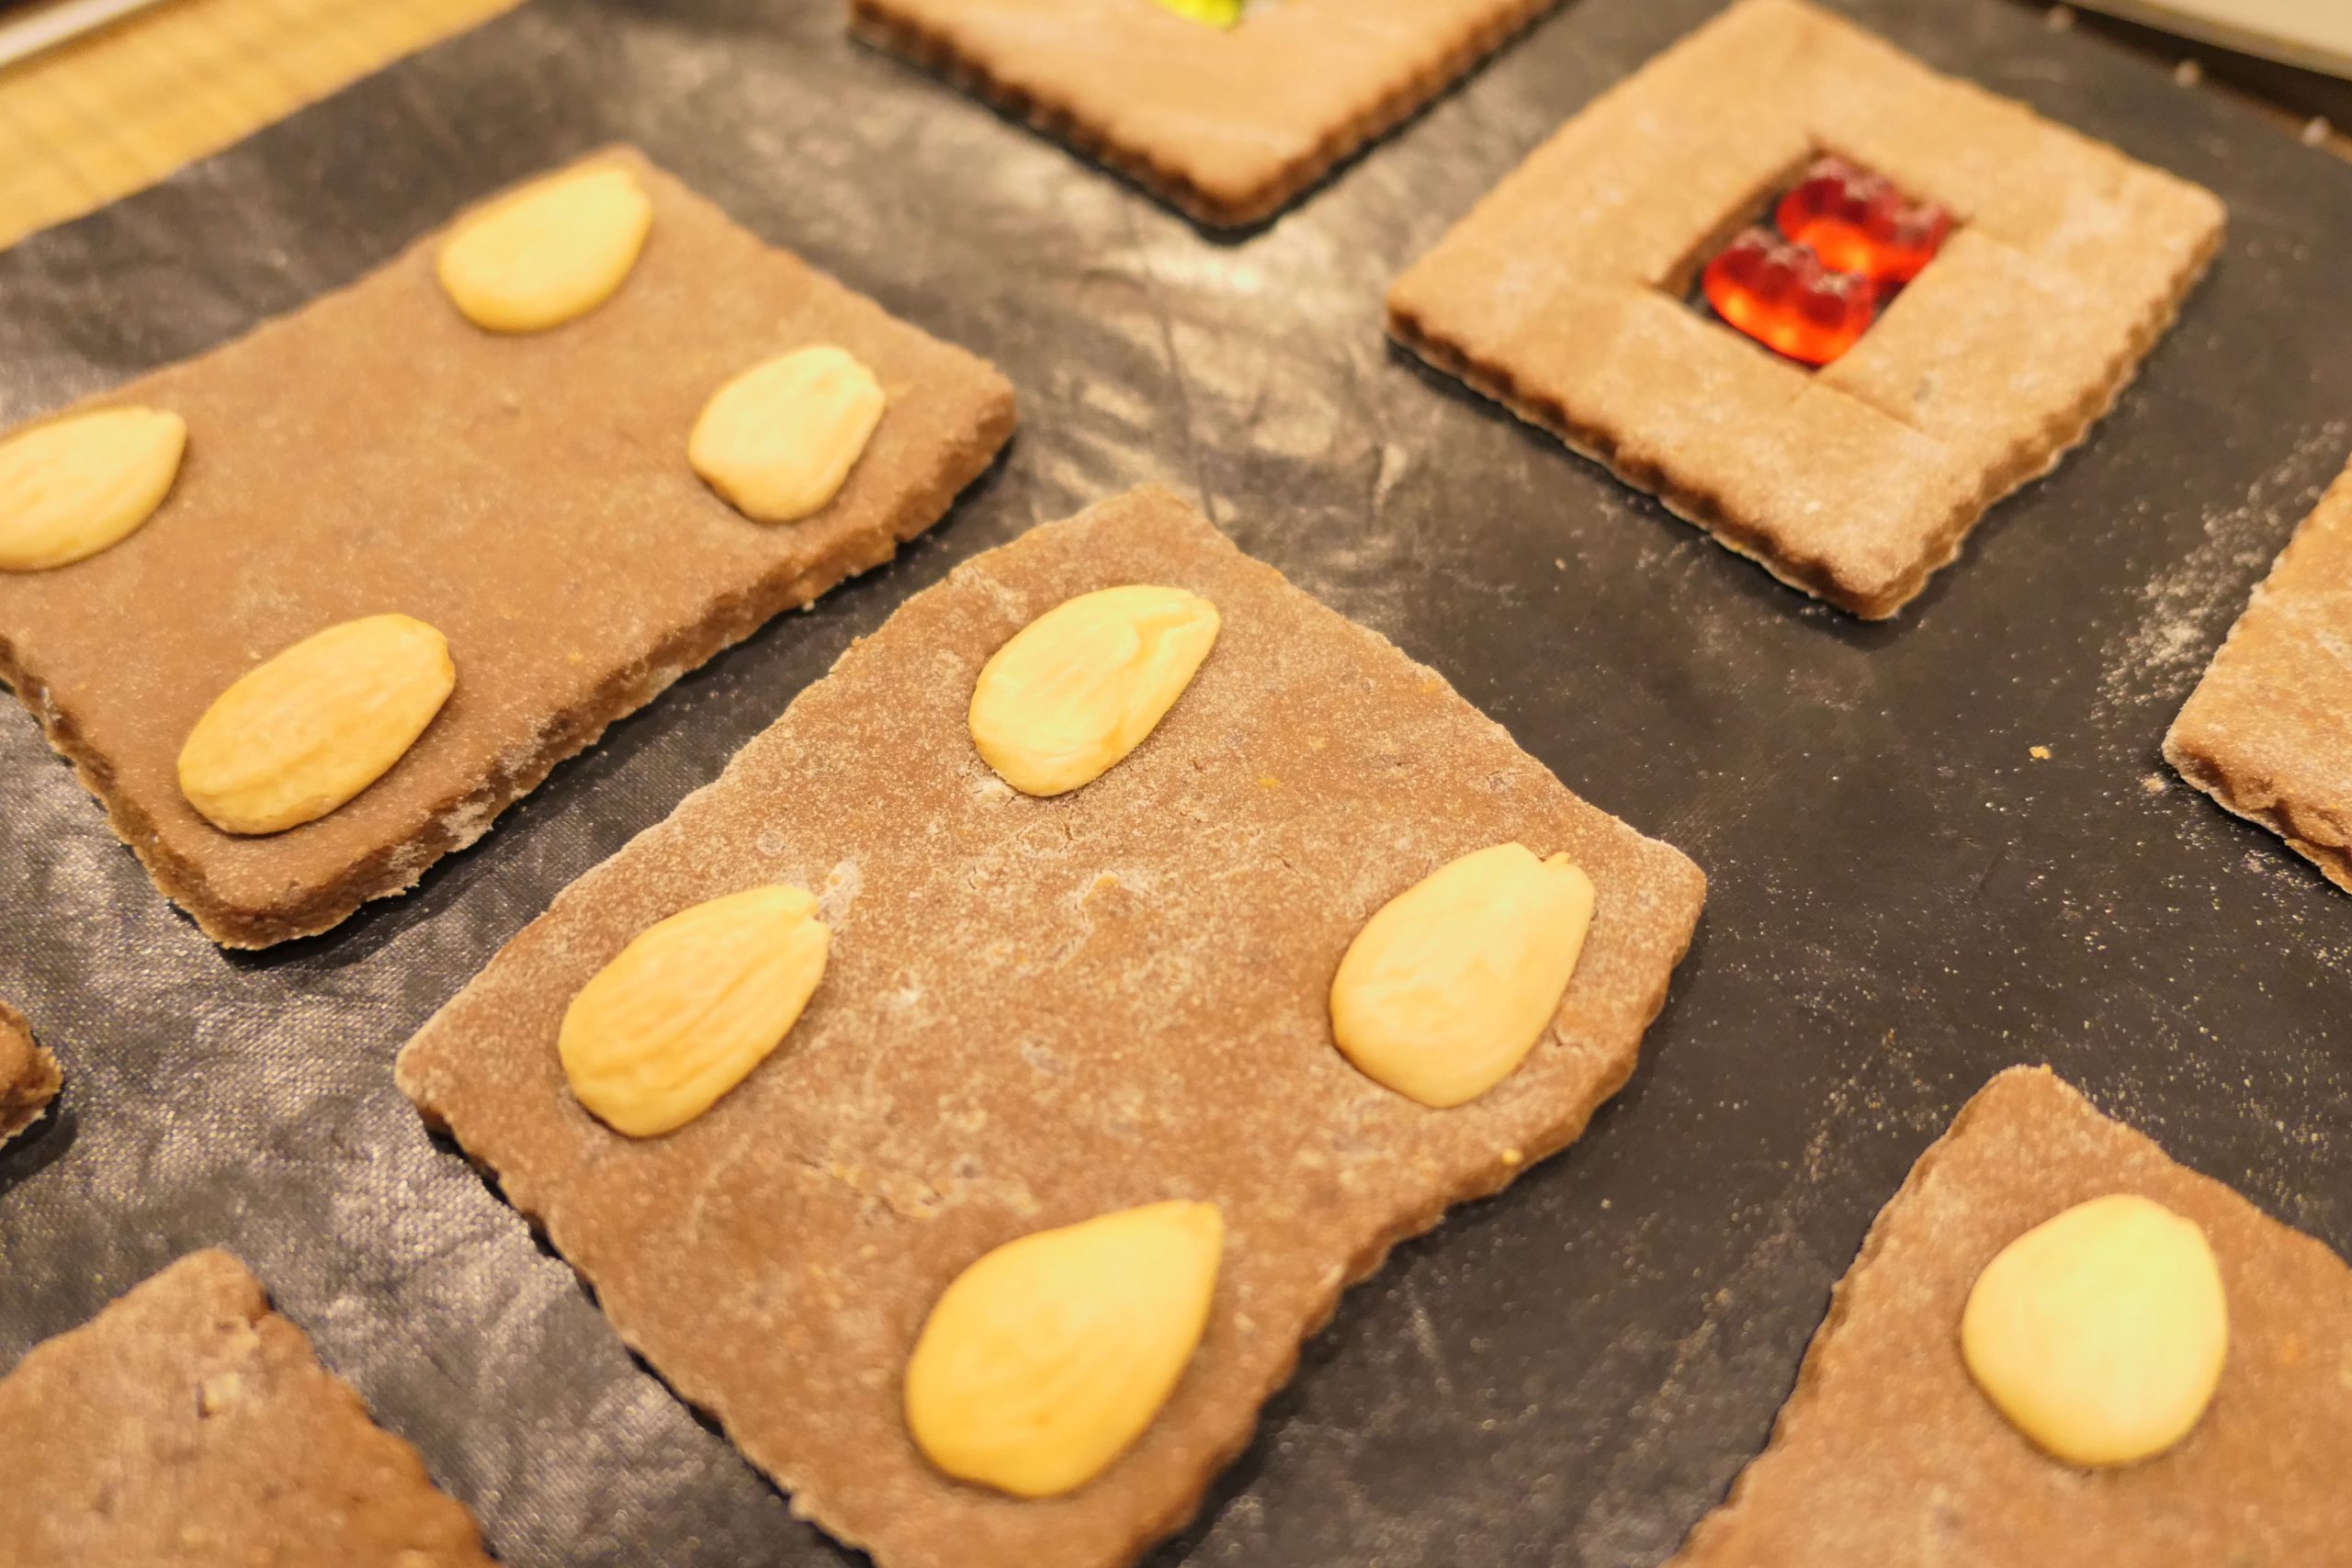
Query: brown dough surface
point(1225, 125)
point(1887, 1456)
point(1561, 296)
point(29, 1077)
point(187, 1426)
point(2268, 730)
point(1038, 1010)
point(530, 496)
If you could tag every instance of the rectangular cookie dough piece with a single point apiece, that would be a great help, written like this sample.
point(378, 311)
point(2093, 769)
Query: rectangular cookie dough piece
point(1039, 1010)
point(1225, 125)
point(1887, 1456)
point(1561, 296)
point(2268, 730)
point(188, 1424)
point(29, 1077)
point(528, 496)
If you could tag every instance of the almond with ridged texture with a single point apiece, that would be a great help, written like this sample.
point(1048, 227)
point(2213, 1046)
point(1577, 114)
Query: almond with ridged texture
point(78, 485)
point(779, 440)
point(549, 253)
point(1083, 685)
point(691, 1006)
point(1448, 988)
point(1044, 1361)
point(300, 734)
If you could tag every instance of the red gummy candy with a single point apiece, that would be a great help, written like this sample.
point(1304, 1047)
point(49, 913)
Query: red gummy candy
point(1781, 295)
point(1858, 222)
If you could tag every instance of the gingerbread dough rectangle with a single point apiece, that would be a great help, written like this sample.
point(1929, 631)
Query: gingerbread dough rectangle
point(2268, 730)
point(1561, 296)
point(530, 496)
point(1887, 1456)
point(188, 1424)
point(1037, 1010)
point(1227, 125)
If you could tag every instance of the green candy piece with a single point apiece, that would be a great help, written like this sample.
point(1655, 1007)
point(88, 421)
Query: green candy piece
point(1216, 13)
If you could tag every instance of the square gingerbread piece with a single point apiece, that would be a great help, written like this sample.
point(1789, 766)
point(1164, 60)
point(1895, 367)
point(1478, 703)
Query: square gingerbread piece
point(1228, 125)
point(1563, 296)
point(1037, 1010)
point(188, 1424)
point(2268, 730)
point(531, 497)
point(1887, 1455)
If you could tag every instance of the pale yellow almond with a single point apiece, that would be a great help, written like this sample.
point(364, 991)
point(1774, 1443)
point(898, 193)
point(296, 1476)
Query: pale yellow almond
point(298, 736)
point(690, 1007)
point(1044, 1361)
point(1083, 685)
point(779, 440)
point(75, 486)
point(549, 253)
point(1449, 984)
point(2101, 1333)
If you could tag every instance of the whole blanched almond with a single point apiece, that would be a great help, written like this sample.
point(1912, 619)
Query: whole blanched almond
point(779, 440)
point(1044, 1361)
point(75, 486)
point(1448, 988)
point(549, 253)
point(298, 736)
point(690, 1007)
point(2101, 1333)
point(1083, 685)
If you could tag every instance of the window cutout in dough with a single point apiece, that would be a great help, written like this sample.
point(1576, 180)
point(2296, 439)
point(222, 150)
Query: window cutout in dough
point(1828, 254)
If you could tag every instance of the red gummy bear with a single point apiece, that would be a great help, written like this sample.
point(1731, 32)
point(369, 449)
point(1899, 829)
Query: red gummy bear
point(1781, 295)
point(1858, 222)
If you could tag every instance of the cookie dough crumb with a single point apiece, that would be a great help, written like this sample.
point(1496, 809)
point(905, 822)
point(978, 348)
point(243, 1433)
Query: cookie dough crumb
point(2153, 783)
point(2041, 753)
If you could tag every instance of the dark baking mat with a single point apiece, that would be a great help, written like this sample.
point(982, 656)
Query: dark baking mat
point(1905, 897)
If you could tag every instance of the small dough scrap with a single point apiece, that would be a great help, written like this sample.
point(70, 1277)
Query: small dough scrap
point(690, 1007)
point(548, 254)
point(779, 440)
point(1449, 984)
point(29, 1076)
point(1043, 1361)
point(300, 734)
point(1077, 689)
point(78, 485)
point(2100, 1334)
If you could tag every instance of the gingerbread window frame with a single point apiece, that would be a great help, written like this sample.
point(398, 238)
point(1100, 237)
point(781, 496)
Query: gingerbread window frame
point(1558, 297)
point(1228, 125)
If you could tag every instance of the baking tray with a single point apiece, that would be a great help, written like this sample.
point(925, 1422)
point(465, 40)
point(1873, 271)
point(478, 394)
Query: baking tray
point(1904, 898)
